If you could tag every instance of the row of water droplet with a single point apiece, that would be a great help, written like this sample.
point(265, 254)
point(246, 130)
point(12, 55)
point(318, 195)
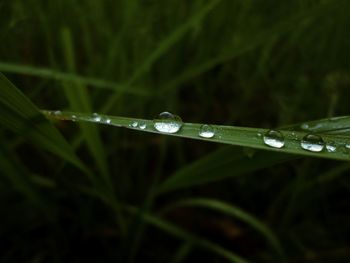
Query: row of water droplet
point(310, 142)
point(170, 123)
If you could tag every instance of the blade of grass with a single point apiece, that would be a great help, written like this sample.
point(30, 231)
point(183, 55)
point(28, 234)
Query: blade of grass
point(248, 45)
point(69, 77)
point(163, 47)
point(79, 99)
point(182, 252)
point(235, 212)
point(21, 116)
point(191, 238)
point(223, 163)
point(232, 135)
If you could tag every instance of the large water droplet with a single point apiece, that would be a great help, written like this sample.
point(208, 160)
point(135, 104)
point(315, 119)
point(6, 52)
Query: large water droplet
point(206, 131)
point(274, 139)
point(312, 143)
point(134, 124)
point(331, 147)
point(167, 123)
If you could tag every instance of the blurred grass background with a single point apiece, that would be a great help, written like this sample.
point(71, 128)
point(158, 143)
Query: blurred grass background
point(248, 63)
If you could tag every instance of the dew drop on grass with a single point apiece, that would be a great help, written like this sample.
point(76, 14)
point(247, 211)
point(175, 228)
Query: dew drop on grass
point(57, 112)
point(134, 124)
point(108, 121)
point(206, 131)
point(274, 139)
point(305, 126)
point(142, 125)
point(167, 122)
point(312, 143)
point(97, 117)
point(331, 147)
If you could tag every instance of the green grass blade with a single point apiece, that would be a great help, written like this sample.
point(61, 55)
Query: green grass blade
point(232, 135)
point(178, 232)
point(235, 212)
point(223, 163)
point(164, 46)
point(255, 41)
point(21, 116)
point(79, 99)
point(182, 253)
point(47, 73)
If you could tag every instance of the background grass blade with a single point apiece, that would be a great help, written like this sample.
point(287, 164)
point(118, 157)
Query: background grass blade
point(163, 47)
point(223, 163)
point(193, 239)
point(235, 212)
point(21, 116)
point(48, 73)
point(79, 100)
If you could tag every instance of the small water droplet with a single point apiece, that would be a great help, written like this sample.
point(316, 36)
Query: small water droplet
point(347, 145)
point(57, 112)
point(74, 117)
point(108, 121)
point(312, 143)
point(167, 122)
point(206, 131)
point(331, 147)
point(274, 139)
point(305, 126)
point(142, 125)
point(97, 117)
point(134, 124)
point(259, 134)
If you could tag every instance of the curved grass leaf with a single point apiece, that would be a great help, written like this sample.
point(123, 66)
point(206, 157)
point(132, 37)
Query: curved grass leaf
point(288, 24)
point(235, 212)
point(68, 77)
point(232, 135)
point(164, 46)
point(20, 115)
point(223, 163)
point(190, 238)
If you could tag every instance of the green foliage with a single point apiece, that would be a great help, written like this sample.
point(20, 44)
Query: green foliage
point(78, 191)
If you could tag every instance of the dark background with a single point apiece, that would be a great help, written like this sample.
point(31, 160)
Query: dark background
point(246, 63)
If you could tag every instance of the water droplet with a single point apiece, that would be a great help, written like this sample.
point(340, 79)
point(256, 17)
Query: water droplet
point(57, 112)
point(312, 143)
point(347, 145)
point(274, 139)
point(108, 121)
point(206, 131)
point(167, 123)
point(331, 147)
point(259, 134)
point(134, 124)
point(97, 118)
point(142, 125)
point(305, 126)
